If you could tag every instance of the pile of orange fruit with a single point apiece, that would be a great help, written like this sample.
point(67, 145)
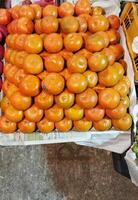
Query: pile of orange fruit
point(64, 69)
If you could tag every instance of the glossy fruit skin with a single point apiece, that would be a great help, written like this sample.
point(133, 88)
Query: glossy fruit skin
point(83, 7)
point(38, 26)
point(11, 89)
point(5, 86)
point(66, 54)
point(50, 10)
point(30, 85)
point(95, 114)
point(98, 23)
point(38, 10)
point(65, 99)
point(94, 43)
point(5, 16)
point(125, 101)
point(20, 42)
point(103, 125)
point(74, 113)
point(114, 21)
point(26, 126)
point(127, 81)
point(49, 24)
point(33, 44)
point(11, 73)
point(45, 126)
point(27, 11)
point(54, 83)
point(77, 64)
point(76, 83)
point(44, 100)
point(25, 25)
point(73, 42)
point(6, 126)
point(109, 76)
point(54, 114)
point(105, 36)
point(97, 10)
point(82, 125)
point(82, 24)
point(91, 77)
point(19, 101)
point(65, 9)
point(123, 123)
point(124, 64)
point(53, 43)
point(120, 69)
point(5, 102)
point(97, 62)
point(87, 99)
point(19, 58)
point(114, 36)
point(54, 63)
point(117, 112)
point(65, 73)
point(33, 64)
point(122, 88)
point(33, 114)
point(110, 55)
point(69, 24)
point(109, 98)
point(64, 125)
point(19, 75)
point(84, 52)
point(13, 114)
point(118, 51)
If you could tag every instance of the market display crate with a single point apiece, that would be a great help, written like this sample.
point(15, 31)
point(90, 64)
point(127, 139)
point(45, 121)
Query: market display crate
point(129, 22)
point(19, 138)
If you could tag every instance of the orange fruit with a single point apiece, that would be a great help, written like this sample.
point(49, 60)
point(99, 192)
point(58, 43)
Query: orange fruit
point(50, 10)
point(53, 43)
point(125, 101)
point(65, 99)
point(73, 42)
point(11, 89)
point(54, 63)
point(54, 83)
point(87, 99)
point(94, 43)
point(123, 123)
point(5, 102)
point(82, 24)
point(33, 64)
point(109, 98)
point(45, 126)
point(19, 75)
point(84, 52)
point(95, 114)
point(83, 7)
point(65, 9)
point(64, 125)
point(37, 9)
point(77, 64)
point(65, 73)
point(91, 77)
point(54, 114)
point(103, 125)
point(6, 126)
point(76, 83)
point(122, 88)
point(120, 69)
point(38, 26)
point(33, 44)
point(117, 112)
point(13, 114)
point(11, 73)
point(27, 11)
point(26, 126)
point(20, 42)
point(30, 85)
point(110, 55)
point(69, 24)
point(49, 24)
point(97, 10)
point(44, 100)
point(33, 114)
point(74, 113)
point(82, 125)
point(118, 50)
point(19, 58)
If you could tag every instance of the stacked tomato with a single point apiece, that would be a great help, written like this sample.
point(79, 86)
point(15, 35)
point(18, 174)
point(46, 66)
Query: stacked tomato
point(64, 69)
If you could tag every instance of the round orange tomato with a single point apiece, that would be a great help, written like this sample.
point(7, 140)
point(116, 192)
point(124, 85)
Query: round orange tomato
point(103, 125)
point(6, 126)
point(65, 9)
point(97, 10)
point(19, 101)
point(84, 52)
point(91, 77)
point(54, 63)
point(54, 83)
point(87, 99)
point(82, 24)
point(6, 68)
point(11, 73)
point(120, 69)
point(69, 24)
point(73, 42)
point(125, 101)
point(65, 73)
point(83, 7)
point(94, 43)
point(15, 11)
point(110, 55)
point(25, 25)
point(26, 126)
point(123, 123)
point(109, 76)
point(19, 58)
point(37, 9)
point(97, 62)
point(13, 114)
point(77, 64)
point(104, 35)
point(64, 125)
point(50, 10)
point(12, 57)
point(54, 114)
point(5, 102)
point(114, 36)
point(77, 83)
point(33, 44)
point(20, 42)
point(11, 89)
point(38, 26)
point(6, 84)
point(65, 99)
point(114, 21)
point(19, 75)
point(82, 125)
point(95, 114)
point(122, 88)
point(53, 43)
point(74, 113)
point(45, 126)
point(98, 23)
point(49, 24)
point(117, 112)
point(66, 54)
point(30, 85)
point(33, 64)
point(12, 40)
point(109, 98)
point(33, 114)
point(5, 16)
point(44, 100)
point(118, 51)
point(27, 11)
point(127, 81)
